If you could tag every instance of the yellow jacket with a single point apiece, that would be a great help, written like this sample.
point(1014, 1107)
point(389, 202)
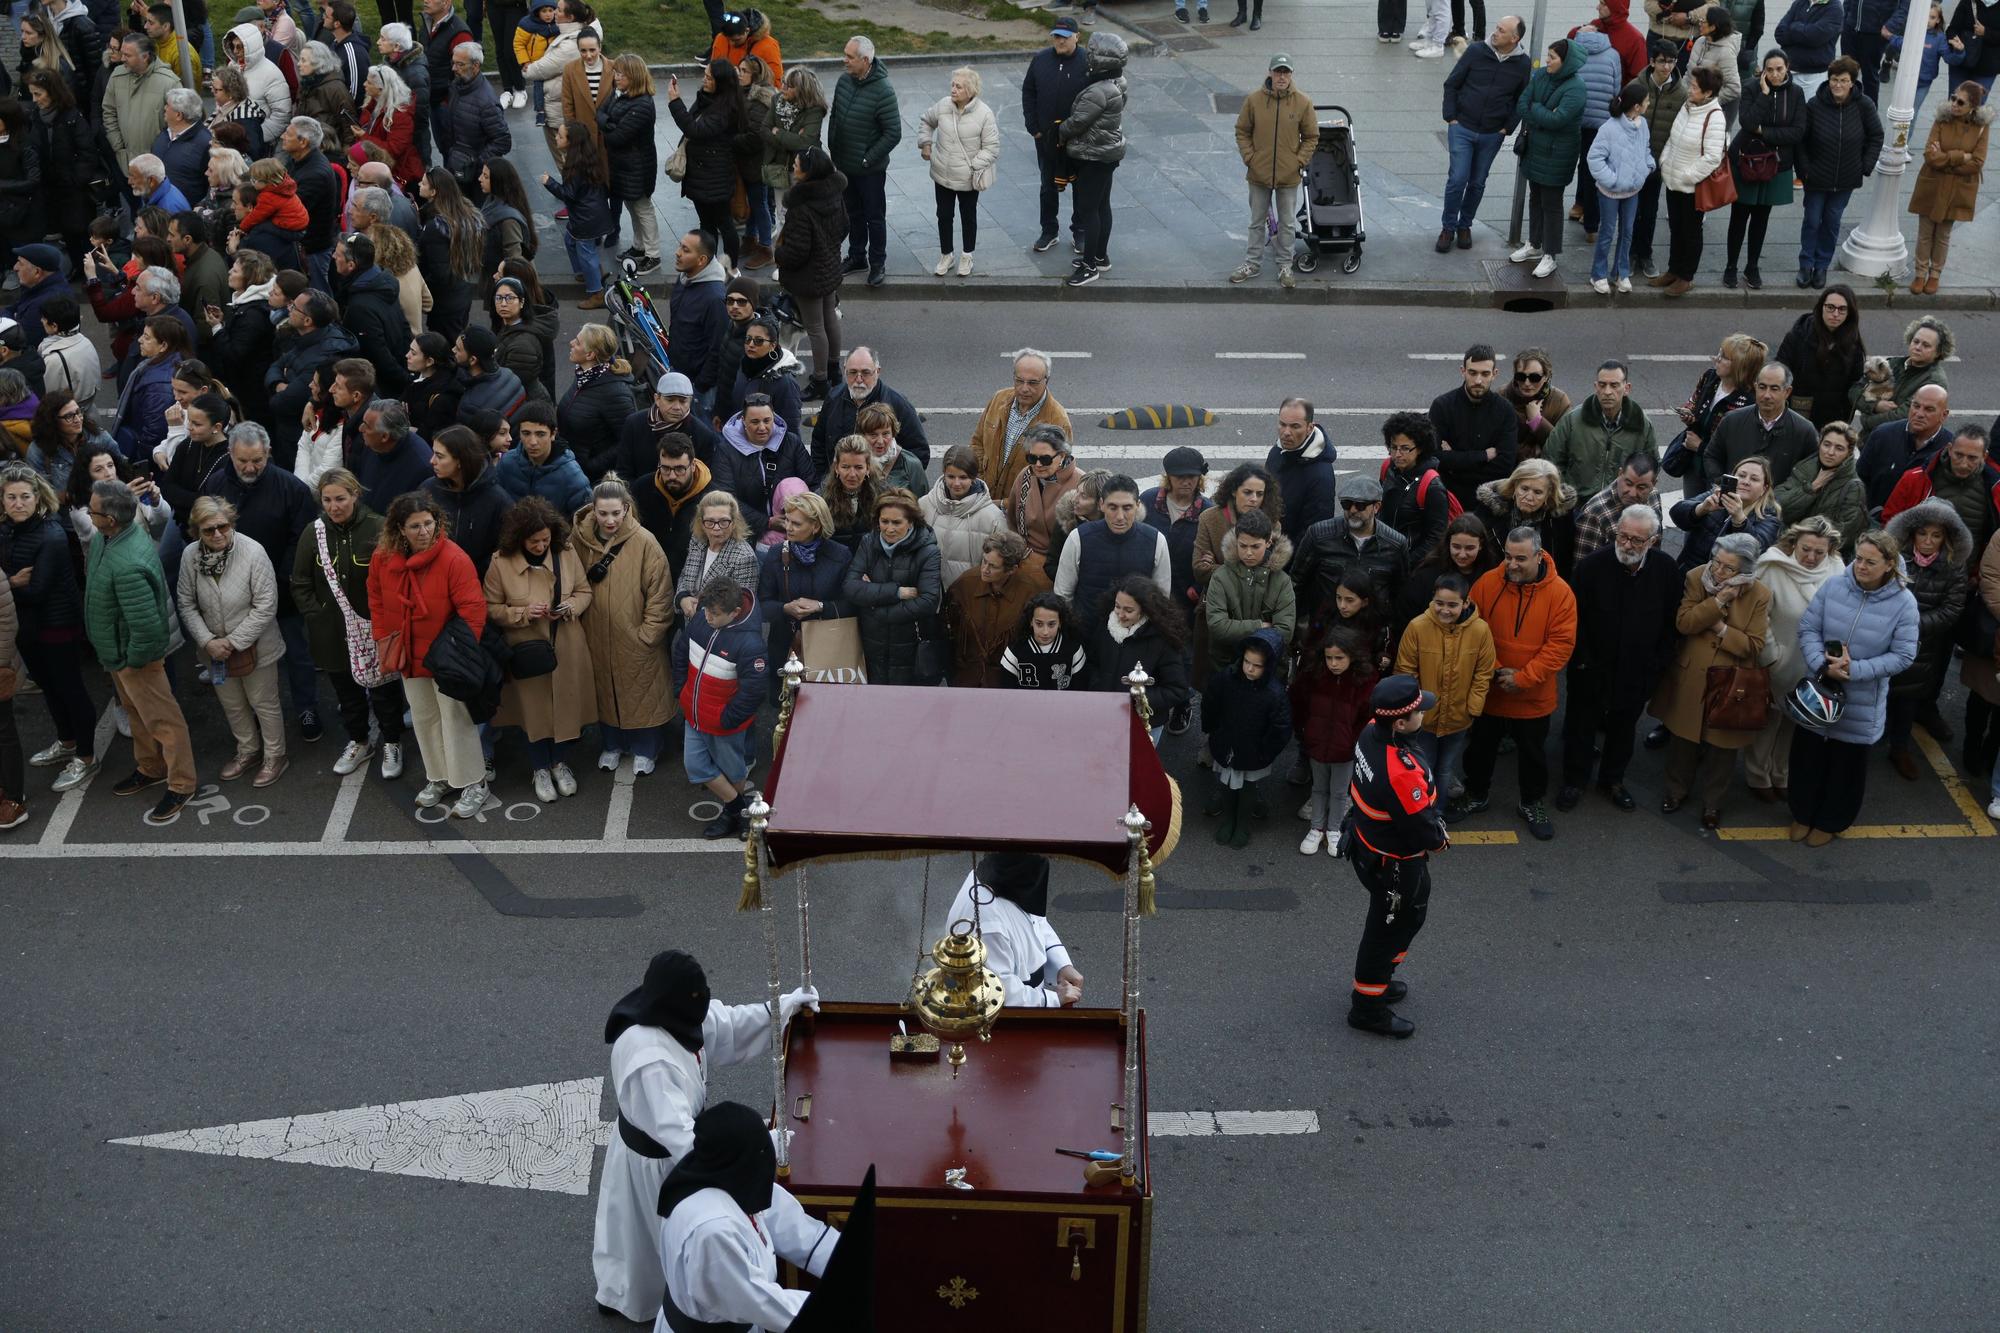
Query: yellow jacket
point(529, 46)
point(169, 54)
point(1454, 662)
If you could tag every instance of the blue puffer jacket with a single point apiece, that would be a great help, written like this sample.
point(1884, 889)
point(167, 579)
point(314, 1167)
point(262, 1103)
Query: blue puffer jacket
point(1599, 75)
point(1880, 631)
point(1621, 156)
point(1810, 35)
point(560, 481)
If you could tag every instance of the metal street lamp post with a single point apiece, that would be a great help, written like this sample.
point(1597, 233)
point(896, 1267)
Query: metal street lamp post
point(1876, 247)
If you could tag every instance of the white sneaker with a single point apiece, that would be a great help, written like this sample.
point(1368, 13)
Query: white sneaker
point(1419, 44)
point(1306, 811)
point(1245, 271)
point(1601, 286)
point(1528, 251)
point(1333, 846)
point(1625, 284)
point(965, 265)
point(74, 773)
point(1547, 267)
point(1993, 810)
point(943, 264)
point(122, 720)
point(392, 761)
point(565, 780)
point(470, 801)
point(356, 755)
point(432, 794)
point(1310, 843)
point(641, 765)
point(545, 786)
point(1428, 52)
point(608, 761)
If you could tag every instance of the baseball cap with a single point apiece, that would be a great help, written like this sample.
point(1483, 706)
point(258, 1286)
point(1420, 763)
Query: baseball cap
point(1280, 61)
point(1063, 27)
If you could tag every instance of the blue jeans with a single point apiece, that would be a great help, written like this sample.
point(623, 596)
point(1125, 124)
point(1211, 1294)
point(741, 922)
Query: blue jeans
point(299, 664)
point(584, 262)
point(1445, 754)
point(759, 227)
point(1472, 155)
point(1614, 220)
point(639, 742)
point(1820, 233)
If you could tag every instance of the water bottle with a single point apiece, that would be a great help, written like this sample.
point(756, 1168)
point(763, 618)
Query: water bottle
point(218, 671)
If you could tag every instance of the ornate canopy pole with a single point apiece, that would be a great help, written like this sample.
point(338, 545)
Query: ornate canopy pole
point(1135, 864)
point(754, 861)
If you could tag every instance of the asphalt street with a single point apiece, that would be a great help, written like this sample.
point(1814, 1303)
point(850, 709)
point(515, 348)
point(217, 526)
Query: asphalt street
point(1660, 1079)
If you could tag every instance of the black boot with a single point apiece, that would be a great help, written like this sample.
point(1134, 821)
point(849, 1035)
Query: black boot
point(1729, 277)
point(1982, 721)
point(1397, 990)
point(726, 824)
point(1242, 14)
point(1217, 799)
point(1752, 278)
point(1373, 1014)
point(1246, 810)
point(1232, 815)
point(1259, 809)
point(1257, 16)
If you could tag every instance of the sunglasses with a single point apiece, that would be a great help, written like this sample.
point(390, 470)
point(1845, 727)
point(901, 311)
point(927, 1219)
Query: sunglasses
point(214, 528)
point(736, 300)
point(1358, 504)
point(1528, 377)
point(756, 342)
point(1041, 460)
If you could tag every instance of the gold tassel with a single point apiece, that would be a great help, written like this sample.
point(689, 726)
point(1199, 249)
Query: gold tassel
point(1147, 904)
point(753, 891)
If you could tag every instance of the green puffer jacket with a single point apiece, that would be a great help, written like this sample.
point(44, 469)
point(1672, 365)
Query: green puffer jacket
point(350, 548)
point(1843, 500)
point(127, 611)
point(1907, 379)
point(1551, 112)
point(1666, 105)
point(1240, 601)
point(866, 124)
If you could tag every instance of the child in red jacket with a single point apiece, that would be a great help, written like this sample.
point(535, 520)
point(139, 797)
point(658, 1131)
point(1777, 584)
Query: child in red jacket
point(1329, 708)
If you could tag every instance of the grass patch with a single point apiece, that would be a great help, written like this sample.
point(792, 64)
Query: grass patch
point(675, 32)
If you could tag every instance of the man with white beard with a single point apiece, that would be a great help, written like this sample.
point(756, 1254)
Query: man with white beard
point(1627, 593)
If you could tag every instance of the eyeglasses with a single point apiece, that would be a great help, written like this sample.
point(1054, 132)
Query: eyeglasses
point(1624, 540)
point(717, 522)
point(1041, 460)
point(1528, 377)
point(70, 414)
point(214, 528)
point(500, 296)
point(1835, 307)
point(736, 300)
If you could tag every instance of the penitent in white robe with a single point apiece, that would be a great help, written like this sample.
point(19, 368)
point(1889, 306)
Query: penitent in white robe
point(722, 1264)
point(661, 1087)
point(1022, 950)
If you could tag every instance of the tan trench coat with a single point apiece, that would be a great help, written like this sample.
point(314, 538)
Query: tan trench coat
point(1677, 701)
point(628, 624)
point(560, 705)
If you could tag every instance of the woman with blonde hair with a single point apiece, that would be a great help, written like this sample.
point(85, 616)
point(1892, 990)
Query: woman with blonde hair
point(960, 138)
point(801, 581)
point(1793, 571)
point(535, 591)
point(228, 598)
point(627, 625)
point(1534, 495)
point(625, 123)
point(1729, 382)
point(848, 490)
point(330, 590)
point(720, 550)
point(396, 255)
point(591, 415)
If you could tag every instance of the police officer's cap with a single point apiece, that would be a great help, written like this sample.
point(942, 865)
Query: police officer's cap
point(1400, 696)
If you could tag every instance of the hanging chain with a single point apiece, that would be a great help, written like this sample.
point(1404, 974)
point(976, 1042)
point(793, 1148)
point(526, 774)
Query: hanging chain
point(923, 924)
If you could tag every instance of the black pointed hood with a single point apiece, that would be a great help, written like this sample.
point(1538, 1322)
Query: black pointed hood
point(674, 996)
point(733, 1153)
point(1022, 878)
point(843, 1301)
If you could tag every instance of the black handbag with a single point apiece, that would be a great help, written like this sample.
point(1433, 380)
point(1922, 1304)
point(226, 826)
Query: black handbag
point(462, 668)
point(537, 657)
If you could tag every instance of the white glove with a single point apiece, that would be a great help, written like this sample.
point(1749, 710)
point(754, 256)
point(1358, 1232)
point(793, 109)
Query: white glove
point(792, 1002)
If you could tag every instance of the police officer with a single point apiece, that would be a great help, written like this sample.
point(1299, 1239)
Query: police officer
point(1392, 826)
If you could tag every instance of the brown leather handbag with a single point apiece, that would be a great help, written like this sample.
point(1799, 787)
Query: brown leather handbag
point(1736, 699)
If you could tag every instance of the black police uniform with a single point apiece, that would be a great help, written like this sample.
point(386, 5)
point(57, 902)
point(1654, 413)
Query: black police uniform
point(1392, 825)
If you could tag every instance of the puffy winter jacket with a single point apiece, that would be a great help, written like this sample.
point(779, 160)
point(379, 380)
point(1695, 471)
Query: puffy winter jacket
point(1776, 118)
point(1599, 75)
point(268, 85)
point(721, 675)
point(1722, 57)
point(1842, 501)
point(1879, 629)
point(1841, 143)
point(557, 479)
point(960, 527)
point(784, 578)
point(51, 599)
point(1695, 146)
point(1483, 90)
point(473, 516)
point(1242, 600)
point(1455, 662)
point(1276, 135)
point(1551, 110)
point(1248, 722)
point(1328, 712)
point(711, 148)
point(627, 126)
point(964, 143)
point(372, 309)
point(1940, 589)
point(590, 419)
point(865, 124)
point(500, 391)
point(475, 128)
point(696, 322)
point(892, 625)
point(1095, 130)
point(751, 474)
point(1621, 156)
point(127, 607)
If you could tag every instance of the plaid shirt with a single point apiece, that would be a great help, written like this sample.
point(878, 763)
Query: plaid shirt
point(1596, 519)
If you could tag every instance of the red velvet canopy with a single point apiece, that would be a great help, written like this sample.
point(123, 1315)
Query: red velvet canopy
point(889, 770)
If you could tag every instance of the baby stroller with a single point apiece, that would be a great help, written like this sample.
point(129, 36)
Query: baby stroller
point(642, 338)
point(1330, 206)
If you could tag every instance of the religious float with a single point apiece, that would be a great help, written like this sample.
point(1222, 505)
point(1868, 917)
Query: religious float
point(997, 1204)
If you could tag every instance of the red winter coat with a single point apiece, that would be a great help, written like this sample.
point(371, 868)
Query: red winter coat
point(1915, 486)
point(398, 139)
point(1328, 712)
point(416, 594)
point(278, 204)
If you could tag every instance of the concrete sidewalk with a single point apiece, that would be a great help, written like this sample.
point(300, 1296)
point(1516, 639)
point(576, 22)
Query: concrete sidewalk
point(1179, 204)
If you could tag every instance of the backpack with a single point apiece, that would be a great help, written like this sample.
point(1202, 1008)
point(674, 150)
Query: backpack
point(1452, 508)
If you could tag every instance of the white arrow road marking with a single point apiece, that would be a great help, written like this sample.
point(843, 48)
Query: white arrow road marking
point(539, 1137)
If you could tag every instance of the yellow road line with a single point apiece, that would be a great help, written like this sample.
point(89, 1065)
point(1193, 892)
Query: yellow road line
point(1860, 831)
point(1954, 786)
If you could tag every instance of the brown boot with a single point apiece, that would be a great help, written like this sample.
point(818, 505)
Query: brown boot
point(1678, 287)
point(592, 301)
point(1917, 281)
point(758, 256)
point(1663, 280)
point(1930, 283)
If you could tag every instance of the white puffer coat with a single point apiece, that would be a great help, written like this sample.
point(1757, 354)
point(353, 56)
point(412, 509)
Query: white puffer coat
point(1695, 143)
point(964, 143)
point(960, 526)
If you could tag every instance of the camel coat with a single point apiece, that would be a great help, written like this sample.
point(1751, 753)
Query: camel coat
point(560, 705)
point(628, 624)
point(1001, 471)
point(982, 620)
point(1954, 157)
point(1677, 702)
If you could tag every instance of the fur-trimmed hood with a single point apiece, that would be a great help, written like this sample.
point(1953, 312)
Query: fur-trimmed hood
point(1281, 551)
point(1957, 537)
